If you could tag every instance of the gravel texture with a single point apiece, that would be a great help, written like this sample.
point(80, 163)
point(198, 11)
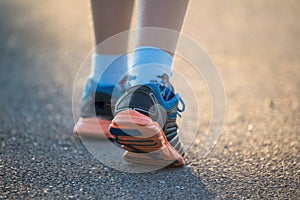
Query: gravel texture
point(256, 48)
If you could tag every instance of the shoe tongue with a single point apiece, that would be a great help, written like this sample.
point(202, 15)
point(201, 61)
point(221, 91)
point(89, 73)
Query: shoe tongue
point(167, 92)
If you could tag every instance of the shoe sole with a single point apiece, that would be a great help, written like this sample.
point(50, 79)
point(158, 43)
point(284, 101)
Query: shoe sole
point(93, 127)
point(144, 140)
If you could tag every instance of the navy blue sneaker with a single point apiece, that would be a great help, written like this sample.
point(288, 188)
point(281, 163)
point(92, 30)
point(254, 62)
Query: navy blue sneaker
point(145, 125)
point(97, 107)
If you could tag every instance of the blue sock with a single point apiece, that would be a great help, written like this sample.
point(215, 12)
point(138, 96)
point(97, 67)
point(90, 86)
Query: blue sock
point(110, 67)
point(150, 65)
point(106, 72)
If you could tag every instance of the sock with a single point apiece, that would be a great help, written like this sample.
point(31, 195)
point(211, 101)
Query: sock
point(150, 65)
point(106, 72)
point(110, 67)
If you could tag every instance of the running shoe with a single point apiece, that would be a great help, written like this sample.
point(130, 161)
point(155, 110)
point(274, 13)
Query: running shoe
point(96, 110)
point(145, 125)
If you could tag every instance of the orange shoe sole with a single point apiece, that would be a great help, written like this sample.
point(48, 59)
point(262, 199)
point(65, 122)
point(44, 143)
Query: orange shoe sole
point(92, 127)
point(144, 140)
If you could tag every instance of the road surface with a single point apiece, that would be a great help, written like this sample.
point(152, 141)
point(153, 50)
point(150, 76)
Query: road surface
point(256, 47)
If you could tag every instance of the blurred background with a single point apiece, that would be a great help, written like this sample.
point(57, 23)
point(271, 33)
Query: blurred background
point(254, 44)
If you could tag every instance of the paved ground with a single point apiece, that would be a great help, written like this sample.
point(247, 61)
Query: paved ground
point(256, 48)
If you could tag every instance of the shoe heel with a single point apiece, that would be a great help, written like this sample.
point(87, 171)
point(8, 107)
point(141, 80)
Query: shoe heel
point(143, 139)
point(137, 132)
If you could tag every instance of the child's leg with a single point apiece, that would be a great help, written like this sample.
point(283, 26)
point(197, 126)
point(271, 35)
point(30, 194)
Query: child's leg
point(109, 18)
point(145, 121)
point(162, 14)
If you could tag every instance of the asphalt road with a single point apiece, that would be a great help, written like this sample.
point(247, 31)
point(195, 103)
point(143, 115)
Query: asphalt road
point(256, 48)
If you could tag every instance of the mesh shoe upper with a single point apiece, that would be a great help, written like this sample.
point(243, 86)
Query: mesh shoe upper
point(99, 100)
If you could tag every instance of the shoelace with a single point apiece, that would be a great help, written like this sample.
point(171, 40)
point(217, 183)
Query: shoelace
point(167, 92)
